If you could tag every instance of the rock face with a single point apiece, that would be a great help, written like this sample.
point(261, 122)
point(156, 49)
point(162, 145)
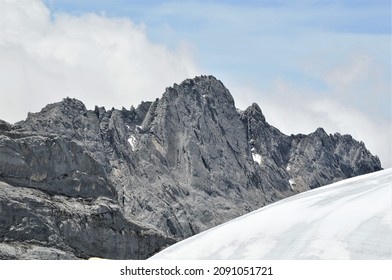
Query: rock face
point(76, 183)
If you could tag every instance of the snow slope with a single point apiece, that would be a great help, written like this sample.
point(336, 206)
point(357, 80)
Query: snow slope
point(350, 219)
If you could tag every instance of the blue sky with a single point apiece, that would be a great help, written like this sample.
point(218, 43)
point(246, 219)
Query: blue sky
point(306, 63)
point(257, 40)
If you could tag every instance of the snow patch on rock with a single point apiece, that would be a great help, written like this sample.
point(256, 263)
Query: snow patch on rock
point(132, 142)
point(292, 183)
point(256, 157)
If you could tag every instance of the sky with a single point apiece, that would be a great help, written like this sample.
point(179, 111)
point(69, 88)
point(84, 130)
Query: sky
point(308, 64)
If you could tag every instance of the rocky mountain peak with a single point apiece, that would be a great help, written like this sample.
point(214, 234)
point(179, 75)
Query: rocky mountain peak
point(66, 117)
point(5, 126)
point(320, 133)
point(133, 181)
point(202, 89)
point(255, 112)
point(73, 104)
point(68, 107)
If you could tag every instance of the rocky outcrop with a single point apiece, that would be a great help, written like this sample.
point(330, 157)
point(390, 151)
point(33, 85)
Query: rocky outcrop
point(125, 183)
point(35, 225)
point(306, 161)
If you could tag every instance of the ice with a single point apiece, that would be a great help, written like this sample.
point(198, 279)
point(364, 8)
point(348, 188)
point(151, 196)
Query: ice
point(350, 219)
point(288, 167)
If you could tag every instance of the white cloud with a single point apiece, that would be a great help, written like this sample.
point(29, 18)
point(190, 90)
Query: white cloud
point(99, 60)
point(343, 78)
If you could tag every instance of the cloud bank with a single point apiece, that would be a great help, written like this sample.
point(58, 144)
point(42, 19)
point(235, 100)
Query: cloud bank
point(99, 60)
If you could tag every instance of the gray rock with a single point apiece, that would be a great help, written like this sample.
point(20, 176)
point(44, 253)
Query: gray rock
point(27, 251)
point(126, 183)
point(34, 225)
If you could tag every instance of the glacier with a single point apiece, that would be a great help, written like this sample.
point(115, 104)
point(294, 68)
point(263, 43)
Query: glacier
point(349, 219)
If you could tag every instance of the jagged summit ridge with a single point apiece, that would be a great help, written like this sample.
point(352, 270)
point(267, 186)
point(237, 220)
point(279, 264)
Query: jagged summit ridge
point(202, 86)
point(175, 166)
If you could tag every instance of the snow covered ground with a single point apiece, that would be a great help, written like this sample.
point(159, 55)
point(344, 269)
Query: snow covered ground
point(350, 219)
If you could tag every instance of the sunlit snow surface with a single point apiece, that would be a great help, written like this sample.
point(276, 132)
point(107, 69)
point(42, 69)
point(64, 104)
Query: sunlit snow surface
point(350, 219)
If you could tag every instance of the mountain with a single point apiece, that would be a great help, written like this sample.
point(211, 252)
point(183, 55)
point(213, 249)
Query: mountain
point(126, 183)
point(350, 219)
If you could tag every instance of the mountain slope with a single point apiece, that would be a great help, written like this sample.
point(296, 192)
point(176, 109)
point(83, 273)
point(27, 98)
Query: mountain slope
point(177, 166)
point(351, 219)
